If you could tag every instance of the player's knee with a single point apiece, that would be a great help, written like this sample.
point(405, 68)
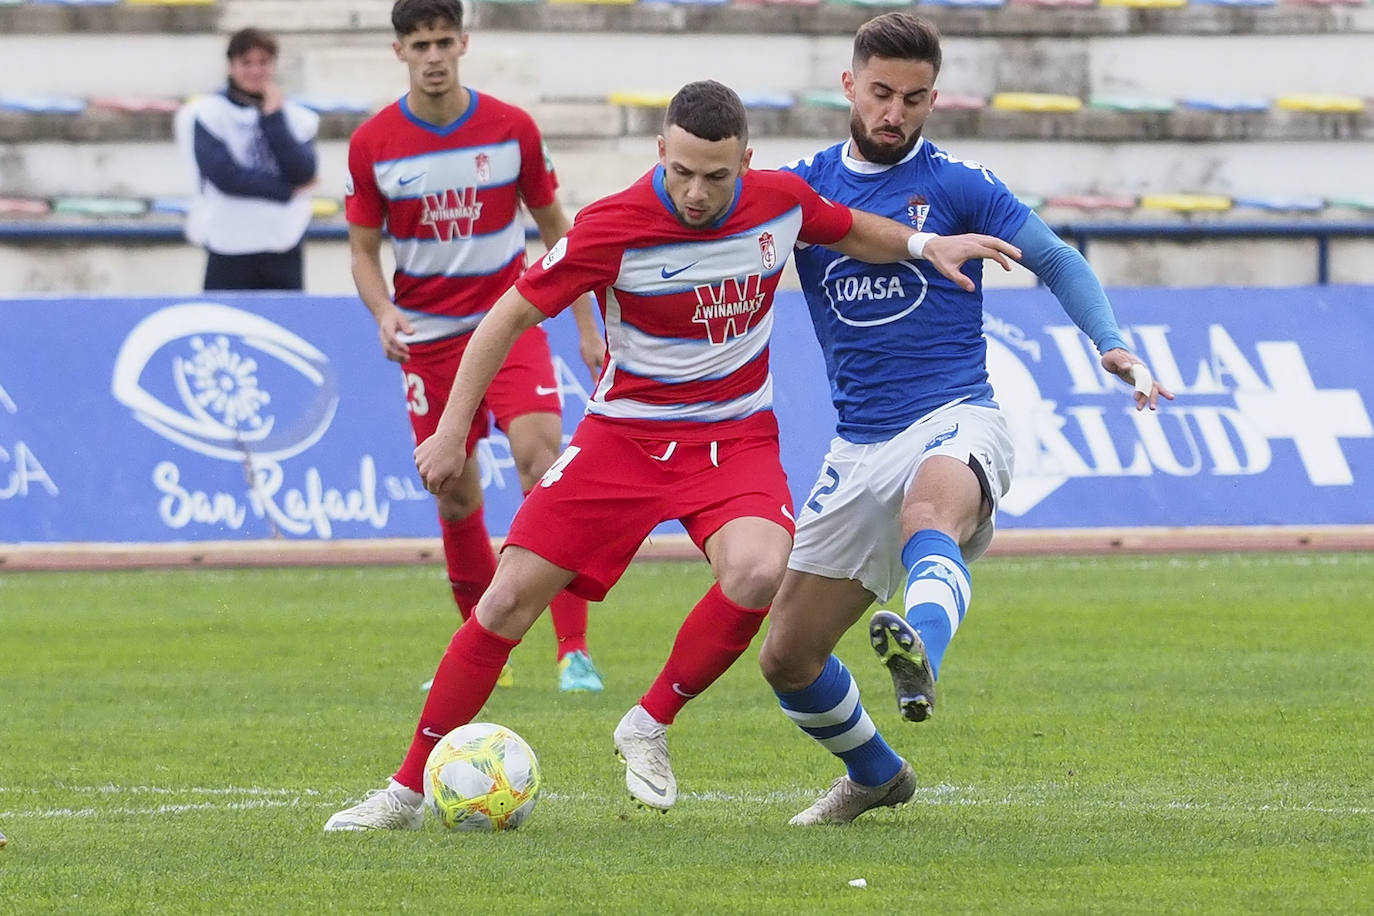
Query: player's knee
point(506, 610)
point(456, 506)
point(786, 667)
point(752, 580)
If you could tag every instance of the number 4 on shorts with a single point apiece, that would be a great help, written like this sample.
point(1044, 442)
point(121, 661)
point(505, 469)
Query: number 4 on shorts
point(555, 471)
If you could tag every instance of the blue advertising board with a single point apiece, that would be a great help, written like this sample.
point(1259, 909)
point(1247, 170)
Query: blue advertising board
point(259, 416)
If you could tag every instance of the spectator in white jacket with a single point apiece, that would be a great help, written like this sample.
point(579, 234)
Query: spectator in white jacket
point(253, 157)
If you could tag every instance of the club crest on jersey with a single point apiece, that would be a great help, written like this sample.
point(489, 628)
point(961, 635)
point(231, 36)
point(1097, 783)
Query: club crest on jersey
point(767, 251)
point(483, 163)
point(728, 309)
point(452, 212)
point(917, 209)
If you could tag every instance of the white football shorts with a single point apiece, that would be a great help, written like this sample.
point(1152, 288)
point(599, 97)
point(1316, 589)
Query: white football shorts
point(850, 525)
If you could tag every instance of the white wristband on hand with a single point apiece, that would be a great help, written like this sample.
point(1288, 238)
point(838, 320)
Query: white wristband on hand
point(1141, 376)
point(916, 244)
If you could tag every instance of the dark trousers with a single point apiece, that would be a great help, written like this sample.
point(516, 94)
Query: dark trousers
point(260, 270)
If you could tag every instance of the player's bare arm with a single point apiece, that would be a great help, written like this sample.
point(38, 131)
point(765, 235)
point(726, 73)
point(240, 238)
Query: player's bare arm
point(878, 240)
point(1128, 367)
point(553, 225)
point(365, 257)
point(441, 457)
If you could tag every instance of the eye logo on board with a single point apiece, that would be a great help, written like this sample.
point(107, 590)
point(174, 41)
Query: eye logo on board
point(225, 383)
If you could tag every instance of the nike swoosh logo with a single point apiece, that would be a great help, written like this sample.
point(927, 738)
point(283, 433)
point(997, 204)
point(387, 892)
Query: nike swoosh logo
point(667, 274)
point(411, 180)
point(677, 689)
point(541, 390)
point(661, 792)
point(430, 733)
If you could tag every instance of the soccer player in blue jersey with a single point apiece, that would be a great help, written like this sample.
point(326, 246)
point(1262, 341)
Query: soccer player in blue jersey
point(906, 497)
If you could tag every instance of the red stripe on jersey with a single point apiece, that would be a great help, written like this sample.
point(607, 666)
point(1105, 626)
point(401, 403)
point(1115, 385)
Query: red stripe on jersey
point(714, 312)
point(472, 294)
point(456, 213)
point(740, 383)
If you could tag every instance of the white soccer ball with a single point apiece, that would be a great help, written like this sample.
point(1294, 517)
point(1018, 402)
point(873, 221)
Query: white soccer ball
point(481, 776)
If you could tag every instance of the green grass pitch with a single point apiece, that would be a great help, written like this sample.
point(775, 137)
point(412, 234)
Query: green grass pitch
point(1162, 734)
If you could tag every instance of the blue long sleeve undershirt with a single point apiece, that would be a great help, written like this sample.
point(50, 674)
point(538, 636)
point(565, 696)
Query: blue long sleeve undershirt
point(1063, 269)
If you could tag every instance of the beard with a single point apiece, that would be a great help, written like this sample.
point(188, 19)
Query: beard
point(875, 152)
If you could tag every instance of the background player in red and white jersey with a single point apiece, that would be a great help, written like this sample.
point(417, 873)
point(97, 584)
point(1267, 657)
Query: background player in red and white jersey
point(685, 262)
point(443, 171)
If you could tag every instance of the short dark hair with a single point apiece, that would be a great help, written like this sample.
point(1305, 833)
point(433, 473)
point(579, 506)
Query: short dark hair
point(250, 39)
point(900, 36)
point(412, 15)
point(709, 110)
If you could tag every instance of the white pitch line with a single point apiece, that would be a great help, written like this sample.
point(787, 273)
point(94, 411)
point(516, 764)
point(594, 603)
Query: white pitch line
point(50, 813)
point(928, 796)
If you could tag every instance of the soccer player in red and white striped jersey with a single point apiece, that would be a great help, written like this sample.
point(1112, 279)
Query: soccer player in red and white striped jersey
point(444, 171)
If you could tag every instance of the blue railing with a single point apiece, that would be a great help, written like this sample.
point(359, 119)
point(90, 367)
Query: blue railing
point(1079, 234)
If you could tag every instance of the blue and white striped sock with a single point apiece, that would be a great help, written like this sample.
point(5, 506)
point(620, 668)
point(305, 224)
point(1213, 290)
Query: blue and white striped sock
point(937, 590)
point(829, 711)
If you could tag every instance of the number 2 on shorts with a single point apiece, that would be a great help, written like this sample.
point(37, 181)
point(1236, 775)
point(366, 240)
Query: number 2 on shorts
point(823, 489)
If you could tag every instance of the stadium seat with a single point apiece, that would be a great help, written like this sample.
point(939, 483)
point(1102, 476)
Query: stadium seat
point(1118, 202)
point(1364, 204)
point(322, 104)
point(1040, 102)
point(1053, 3)
point(17, 206)
point(99, 206)
point(1323, 104)
point(175, 205)
point(133, 103)
point(75, 2)
point(639, 98)
point(1132, 104)
point(772, 101)
point(953, 101)
point(979, 4)
point(325, 207)
point(42, 104)
point(1146, 4)
point(1235, 2)
point(882, 3)
point(690, 2)
point(1281, 204)
point(825, 98)
point(1186, 203)
point(1226, 105)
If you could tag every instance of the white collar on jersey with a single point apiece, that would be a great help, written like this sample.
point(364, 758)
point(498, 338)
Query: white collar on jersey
point(874, 168)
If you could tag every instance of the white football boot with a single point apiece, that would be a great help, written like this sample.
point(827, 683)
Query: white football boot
point(846, 799)
point(641, 742)
point(391, 808)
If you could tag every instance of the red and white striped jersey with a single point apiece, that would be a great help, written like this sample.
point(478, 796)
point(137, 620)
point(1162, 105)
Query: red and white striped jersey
point(450, 200)
point(688, 311)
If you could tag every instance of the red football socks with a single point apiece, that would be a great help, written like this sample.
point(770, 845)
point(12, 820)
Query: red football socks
point(470, 560)
point(466, 677)
point(569, 614)
point(715, 633)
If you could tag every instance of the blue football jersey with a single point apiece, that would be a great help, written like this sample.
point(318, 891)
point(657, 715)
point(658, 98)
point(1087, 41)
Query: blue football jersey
point(899, 339)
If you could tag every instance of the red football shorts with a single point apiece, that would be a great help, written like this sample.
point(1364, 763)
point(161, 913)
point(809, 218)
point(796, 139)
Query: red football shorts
point(524, 384)
point(598, 502)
